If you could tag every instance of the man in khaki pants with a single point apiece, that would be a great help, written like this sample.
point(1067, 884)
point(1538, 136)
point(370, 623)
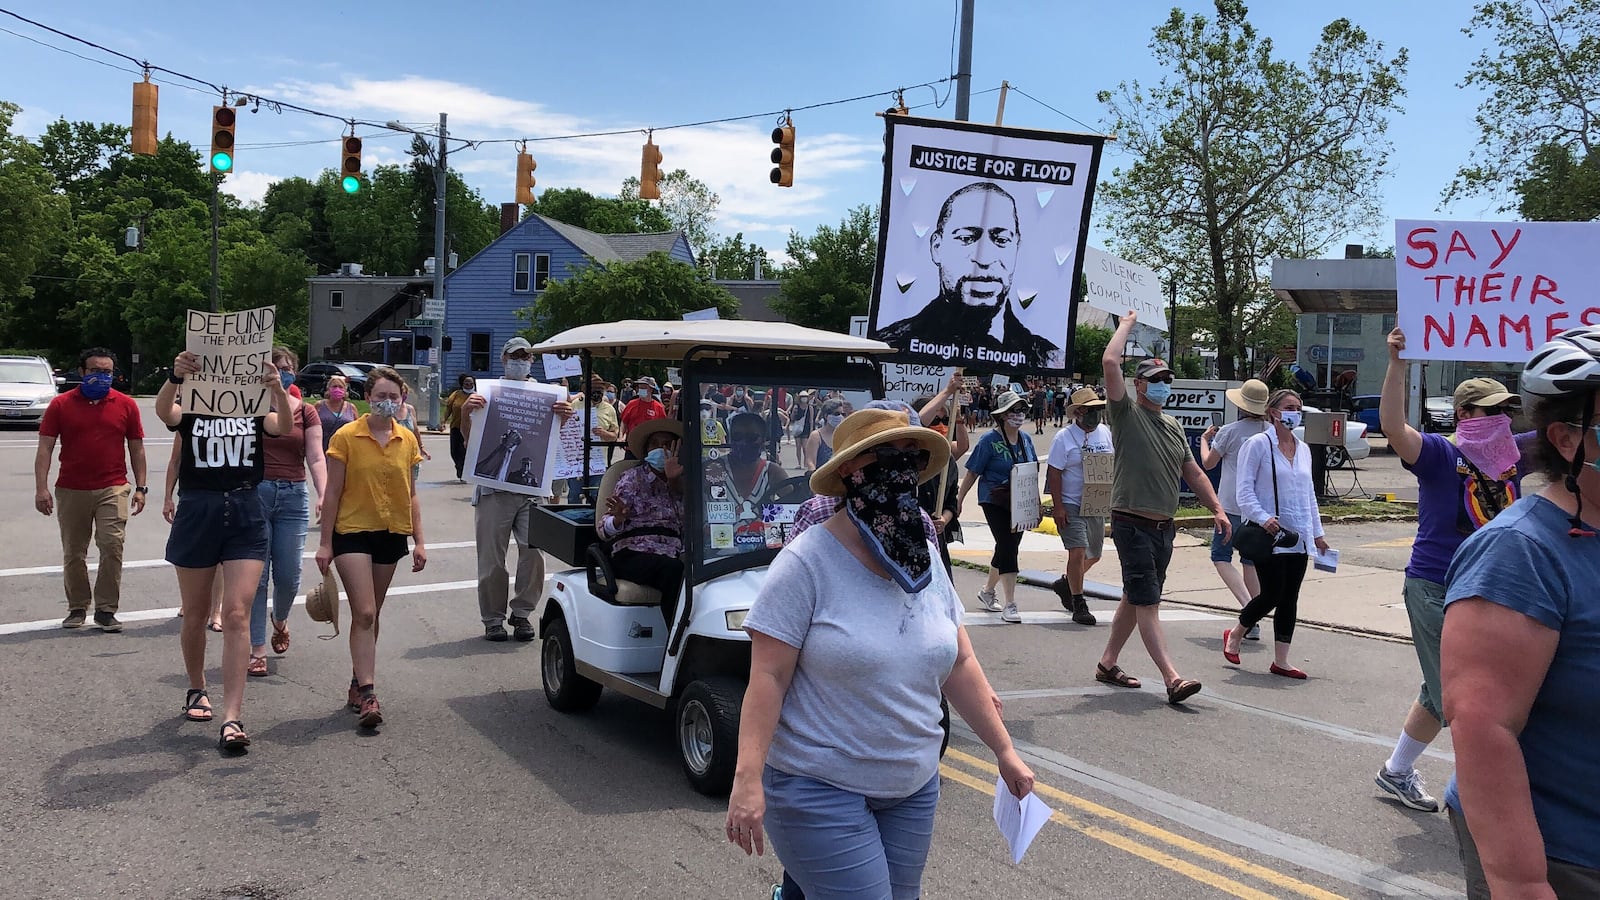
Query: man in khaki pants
point(92, 495)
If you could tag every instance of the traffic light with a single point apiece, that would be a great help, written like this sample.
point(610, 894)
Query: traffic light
point(145, 94)
point(783, 155)
point(525, 179)
point(350, 165)
point(650, 171)
point(223, 119)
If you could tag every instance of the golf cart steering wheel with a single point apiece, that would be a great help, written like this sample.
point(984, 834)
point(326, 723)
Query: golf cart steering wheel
point(790, 490)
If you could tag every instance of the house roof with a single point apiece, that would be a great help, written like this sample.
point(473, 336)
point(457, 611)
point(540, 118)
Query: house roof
point(593, 245)
point(630, 247)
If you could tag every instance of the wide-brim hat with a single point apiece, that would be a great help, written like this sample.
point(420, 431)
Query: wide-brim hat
point(322, 602)
point(867, 428)
point(647, 381)
point(1252, 396)
point(1084, 398)
point(640, 436)
point(1004, 402)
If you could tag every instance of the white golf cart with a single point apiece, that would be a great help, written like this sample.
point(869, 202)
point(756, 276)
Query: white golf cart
point(598, 632)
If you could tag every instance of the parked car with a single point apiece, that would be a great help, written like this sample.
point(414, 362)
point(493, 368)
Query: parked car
point(26, 388)
point(313, 378)
point(1439, 414)
point(1355, 446)
point(1365, 408)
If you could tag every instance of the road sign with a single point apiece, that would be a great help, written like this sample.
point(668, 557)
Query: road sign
point(421, 323)
point(433, 309)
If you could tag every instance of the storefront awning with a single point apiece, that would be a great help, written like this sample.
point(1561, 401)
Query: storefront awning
point(1358, 286)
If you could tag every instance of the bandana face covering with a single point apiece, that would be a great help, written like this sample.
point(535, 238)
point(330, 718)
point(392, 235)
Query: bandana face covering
point(881, 500)
point(1487, 442)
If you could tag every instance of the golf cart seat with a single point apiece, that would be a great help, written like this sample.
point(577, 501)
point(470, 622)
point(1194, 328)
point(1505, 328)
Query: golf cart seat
point(603, 581)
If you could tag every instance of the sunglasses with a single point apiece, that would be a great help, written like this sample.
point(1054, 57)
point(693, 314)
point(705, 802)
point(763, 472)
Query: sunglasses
point(1162, 379)
point(890, 454)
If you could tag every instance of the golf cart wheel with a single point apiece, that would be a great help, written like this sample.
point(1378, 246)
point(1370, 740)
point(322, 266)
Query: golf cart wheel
point(944, 725)
point(1336, 457)
point(564, 688)
point(707, 727)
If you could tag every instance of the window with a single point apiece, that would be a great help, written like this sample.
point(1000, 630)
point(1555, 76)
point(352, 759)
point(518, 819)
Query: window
point(1344, 323)
point(541, 271)
point(519, 281)
point(478, 355)
point(336, 299)
point(1388, 322)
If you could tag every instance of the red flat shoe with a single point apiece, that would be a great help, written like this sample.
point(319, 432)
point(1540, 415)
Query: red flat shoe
point(1290, 672)
point(1230, 657)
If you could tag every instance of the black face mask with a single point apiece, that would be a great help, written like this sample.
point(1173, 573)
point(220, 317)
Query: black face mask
point(595, 396)
point(881, 500)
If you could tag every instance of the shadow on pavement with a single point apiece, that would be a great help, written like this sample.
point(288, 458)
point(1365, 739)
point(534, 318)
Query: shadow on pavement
point(472, 646)
point(129, 766)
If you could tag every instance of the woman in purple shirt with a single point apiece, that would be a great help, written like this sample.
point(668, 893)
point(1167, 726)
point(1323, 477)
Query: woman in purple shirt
point(644, 514)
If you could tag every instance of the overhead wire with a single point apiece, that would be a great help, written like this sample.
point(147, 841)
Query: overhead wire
point(1053, 109)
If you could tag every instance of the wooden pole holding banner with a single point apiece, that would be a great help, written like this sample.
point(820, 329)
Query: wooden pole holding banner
point(1000, 111)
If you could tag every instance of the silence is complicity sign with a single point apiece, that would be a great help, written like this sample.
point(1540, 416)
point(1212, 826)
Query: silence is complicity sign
point(1493, 291)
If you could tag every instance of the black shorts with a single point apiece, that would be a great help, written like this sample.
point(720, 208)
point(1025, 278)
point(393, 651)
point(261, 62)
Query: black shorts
point(1144, 547)
point(212, 527)
point(385, 547)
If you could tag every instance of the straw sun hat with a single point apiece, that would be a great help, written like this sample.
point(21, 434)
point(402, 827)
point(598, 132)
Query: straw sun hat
point(1251, 396)
point(639, 437)
point(322, 603)
point(867, 428)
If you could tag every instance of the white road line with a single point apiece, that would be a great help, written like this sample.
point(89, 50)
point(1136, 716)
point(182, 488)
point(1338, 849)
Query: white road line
point(157, 563)
point(148, 615)
point(1235, 830)
point(1056, 617)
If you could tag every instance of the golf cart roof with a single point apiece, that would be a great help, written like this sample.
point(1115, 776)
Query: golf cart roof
point(671, 339)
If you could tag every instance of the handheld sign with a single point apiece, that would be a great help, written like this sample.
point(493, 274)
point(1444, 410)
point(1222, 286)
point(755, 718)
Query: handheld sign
point(234, 350)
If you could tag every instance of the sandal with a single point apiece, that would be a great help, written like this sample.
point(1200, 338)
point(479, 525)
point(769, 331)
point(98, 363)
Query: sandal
point(257, 667)
point(1114, 675)
point(1182, 689)
point(193, 710)
point(215, 626)
point(235, 741)
point(280, 637)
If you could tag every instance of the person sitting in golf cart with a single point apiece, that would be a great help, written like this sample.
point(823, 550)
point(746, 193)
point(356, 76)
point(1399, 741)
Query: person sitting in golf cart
point(741, 480)
point(643, 521)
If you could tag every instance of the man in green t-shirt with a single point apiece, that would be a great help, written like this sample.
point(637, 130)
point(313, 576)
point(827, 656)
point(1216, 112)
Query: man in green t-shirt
point(1152, 453)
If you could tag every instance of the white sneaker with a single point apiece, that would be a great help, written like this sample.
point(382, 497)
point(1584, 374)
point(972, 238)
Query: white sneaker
point(1011, 615)
point(988, 601)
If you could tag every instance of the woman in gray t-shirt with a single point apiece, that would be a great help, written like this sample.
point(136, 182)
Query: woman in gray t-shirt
point(855, 633)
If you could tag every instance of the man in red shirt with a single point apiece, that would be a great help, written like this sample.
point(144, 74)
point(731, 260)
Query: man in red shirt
point(643, 407)
point(92, 496)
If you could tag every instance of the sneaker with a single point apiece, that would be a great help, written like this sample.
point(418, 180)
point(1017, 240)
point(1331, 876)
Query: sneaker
point(522, 629)
point(107, 622)
point(1254, 634)
point(1010, 614)
point(1407, 789)
point(74, 619)
point(371, 715)
point(986, 599)
point(1064, 591)
point(352, 700)
point(1080, 611)
point(495, 632)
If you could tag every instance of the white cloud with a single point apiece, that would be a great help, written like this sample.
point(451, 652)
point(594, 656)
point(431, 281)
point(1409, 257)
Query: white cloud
point(249, 187)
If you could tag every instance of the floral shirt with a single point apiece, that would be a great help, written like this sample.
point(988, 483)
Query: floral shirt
point(650, 504)
point(821, 508)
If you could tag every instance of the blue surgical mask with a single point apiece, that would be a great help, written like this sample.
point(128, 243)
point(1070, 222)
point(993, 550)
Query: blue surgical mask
point(286, 377)
point(657, 459)
point(611, 395)
point(385, 409)
point(1157, 392)
point(1290, 418)
point(834, 420)
point(96, 385)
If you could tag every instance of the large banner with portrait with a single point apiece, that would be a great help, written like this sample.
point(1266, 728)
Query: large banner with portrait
point(981, 244)
point(514, 443)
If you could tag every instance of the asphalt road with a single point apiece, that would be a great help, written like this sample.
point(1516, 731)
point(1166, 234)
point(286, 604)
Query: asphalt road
point(1259, 788)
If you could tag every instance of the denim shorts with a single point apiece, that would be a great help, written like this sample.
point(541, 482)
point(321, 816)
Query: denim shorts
point(1222, 548)
point(1144, 547)
point(213, 527)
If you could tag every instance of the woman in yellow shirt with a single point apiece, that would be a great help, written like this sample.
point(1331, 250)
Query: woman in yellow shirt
point(369, 509)
point(465, 386)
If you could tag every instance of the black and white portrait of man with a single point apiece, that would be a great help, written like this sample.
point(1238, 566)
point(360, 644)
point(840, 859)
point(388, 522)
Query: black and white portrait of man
point(974, 246)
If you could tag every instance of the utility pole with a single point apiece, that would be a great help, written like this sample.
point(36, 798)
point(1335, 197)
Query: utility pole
point(436, 354)
point(964, 64)
point(1000, 109)
point(216, 284)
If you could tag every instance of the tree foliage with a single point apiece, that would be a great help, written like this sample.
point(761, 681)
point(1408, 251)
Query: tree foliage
point(730, 257)
point(656, 287)
point(601, 215)
point(686, 202)
point(1559, 186)
point(1541, 78)
point(1237, 157)
point(1088, 345)
point(829, 278)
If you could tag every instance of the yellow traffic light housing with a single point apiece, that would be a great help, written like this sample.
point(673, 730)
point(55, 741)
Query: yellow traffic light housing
point(143, 137)
point(783, 154)
point(650, 171)
point(525, 180)
point(350, 165)
point(223, 119)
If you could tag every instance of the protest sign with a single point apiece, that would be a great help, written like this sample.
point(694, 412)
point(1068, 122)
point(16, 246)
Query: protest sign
point(1116, 286)
point(1097, 472)
point(906, 382)
point(1025, 501)
point(513, 445)
point(980, 244)
point(235, 350)
point(1492, 291)
point(557, 367)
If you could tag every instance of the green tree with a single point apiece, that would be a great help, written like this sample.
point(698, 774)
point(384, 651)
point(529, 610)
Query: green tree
point(1560, 187)
point(686, 202)
point(829, 278)
point(1541, 78)
point(729, 257)
point(259, 273)
point(1238, 157)
point(34, 217)
point(1088, 345)
point(656, 287)
point(601, 215)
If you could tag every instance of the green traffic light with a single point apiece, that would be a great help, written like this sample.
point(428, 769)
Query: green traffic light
point(351, 184)
point(222, 162)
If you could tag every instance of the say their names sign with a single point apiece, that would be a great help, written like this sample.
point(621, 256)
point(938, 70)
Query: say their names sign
point(1492, 291)
point(234, 350)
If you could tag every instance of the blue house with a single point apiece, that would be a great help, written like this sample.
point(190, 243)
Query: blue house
point(484, 295)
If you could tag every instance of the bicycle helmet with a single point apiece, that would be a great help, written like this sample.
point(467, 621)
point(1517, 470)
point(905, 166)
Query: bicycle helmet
point(1567, 363)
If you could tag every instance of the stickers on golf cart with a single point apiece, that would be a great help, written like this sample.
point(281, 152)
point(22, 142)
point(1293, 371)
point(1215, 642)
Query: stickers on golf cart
point(776, 535)
point(722, 537)
point(779, 513)
point(721, 512)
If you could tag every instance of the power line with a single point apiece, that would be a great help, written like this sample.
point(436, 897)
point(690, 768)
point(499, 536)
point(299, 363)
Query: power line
point(1053, 109)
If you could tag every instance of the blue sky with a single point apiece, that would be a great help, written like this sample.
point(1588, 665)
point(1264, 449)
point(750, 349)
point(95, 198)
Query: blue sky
point(541, 69)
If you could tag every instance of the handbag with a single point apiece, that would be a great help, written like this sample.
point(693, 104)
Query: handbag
point(1254, 542)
